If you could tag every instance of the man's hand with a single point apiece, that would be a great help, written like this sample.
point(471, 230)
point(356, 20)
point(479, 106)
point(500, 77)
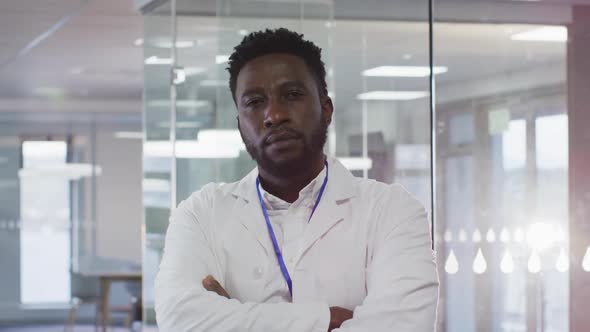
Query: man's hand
point(213, 285)
point(338, 316)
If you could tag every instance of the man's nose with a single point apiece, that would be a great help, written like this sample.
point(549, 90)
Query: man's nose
point(276, 114)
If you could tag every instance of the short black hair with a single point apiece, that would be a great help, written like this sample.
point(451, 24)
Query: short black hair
point(279, 40)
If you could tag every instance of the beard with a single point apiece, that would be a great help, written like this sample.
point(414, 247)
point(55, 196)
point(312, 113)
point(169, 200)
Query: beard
point(311, 149)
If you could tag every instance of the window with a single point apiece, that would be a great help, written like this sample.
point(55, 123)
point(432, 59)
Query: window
point(45, 231)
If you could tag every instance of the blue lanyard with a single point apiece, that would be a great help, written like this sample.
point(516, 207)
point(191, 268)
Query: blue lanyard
point(272, 233)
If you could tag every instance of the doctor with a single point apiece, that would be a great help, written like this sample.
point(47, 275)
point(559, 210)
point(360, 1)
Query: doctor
point(299, 244)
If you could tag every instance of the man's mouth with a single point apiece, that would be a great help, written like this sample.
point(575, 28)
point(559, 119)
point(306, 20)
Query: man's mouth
point(282, 136)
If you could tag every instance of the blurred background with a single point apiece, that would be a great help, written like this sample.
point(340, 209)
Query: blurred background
point(112, 112)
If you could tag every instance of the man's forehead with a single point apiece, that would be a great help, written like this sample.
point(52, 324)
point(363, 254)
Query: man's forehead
point(273, 68)
point(275, 62)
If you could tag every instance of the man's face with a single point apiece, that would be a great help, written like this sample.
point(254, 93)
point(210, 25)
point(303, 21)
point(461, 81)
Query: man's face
point(281, 116)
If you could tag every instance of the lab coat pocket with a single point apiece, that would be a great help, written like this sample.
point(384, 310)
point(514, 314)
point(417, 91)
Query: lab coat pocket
point(245, 266)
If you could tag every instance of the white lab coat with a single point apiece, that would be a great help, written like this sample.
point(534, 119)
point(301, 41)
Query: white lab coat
point(367, 248)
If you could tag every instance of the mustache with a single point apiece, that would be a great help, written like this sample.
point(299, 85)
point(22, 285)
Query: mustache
point(283, 132)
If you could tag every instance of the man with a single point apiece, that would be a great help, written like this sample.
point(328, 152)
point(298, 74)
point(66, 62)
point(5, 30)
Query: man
point(299, 244)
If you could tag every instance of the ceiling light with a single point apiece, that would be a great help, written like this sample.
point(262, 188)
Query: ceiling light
point(403, 71)
point(181, 103)
point(129, 134)
point(392, 95)
point(190, 149)
point(138, 42)
point(200, 150)
point(543, 34)
point(44, 149)
point(156, 185)
point(184, 43)
point(154, 60)
point(219, 59)
point(229, 137)
point(47, 91)
point(71, 171)
point(179, 76)
point(168, 44)
point(181, 124)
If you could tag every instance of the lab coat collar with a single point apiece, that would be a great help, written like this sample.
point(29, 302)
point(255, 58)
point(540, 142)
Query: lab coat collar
point(340, 180)
point(330, 211)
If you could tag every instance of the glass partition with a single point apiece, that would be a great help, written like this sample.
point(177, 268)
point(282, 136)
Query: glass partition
point(377, 74)
point(510, 236)
point(505, 231)
point(158, 161)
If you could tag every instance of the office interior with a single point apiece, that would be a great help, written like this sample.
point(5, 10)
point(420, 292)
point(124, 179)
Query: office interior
point(112, 112)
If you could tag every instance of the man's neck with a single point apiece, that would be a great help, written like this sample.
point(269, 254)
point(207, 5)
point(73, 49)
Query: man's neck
point(288, 188)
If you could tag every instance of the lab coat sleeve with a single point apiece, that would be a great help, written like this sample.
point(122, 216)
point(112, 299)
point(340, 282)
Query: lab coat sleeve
point(402, 282)
point(182, 304)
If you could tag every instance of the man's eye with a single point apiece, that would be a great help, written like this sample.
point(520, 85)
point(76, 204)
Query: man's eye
point(294, 94)
point(253, 102)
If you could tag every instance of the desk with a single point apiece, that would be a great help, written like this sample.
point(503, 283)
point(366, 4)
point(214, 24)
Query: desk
point(106, 279)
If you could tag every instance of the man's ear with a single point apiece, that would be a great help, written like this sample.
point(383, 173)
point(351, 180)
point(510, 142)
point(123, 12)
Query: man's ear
point(327, 109)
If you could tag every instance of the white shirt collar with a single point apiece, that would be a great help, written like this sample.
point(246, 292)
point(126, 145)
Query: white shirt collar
point(307, 195)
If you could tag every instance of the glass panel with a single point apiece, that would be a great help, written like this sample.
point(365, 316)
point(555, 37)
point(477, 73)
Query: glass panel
point(158, 162)
point(377, 75)
point(49, 223)
point(10, 163)
point(551, 143)
point(502, 160)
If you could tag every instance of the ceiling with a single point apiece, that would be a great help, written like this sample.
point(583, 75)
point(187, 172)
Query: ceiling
point(470, 51)
point(72, 56)
point(79, 56)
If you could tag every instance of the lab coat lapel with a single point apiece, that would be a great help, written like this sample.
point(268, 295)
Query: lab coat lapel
point(330, 211)
point(249, 212)
point(333, 206)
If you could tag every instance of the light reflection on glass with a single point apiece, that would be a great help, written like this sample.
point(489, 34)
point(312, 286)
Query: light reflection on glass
point(534, 264)
point(518, 235)
point(491, 236)
point(479, 264)
point(476, 236)
point(504, 235)
point(462, 236)
point(507, 263)
point(448, 236)
point(451, 265)
point(562, 264)
point(586, 260)
point(540, 236)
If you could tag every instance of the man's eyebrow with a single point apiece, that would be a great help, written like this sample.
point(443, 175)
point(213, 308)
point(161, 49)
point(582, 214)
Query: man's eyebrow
point(251, 91)
point(295, 84)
